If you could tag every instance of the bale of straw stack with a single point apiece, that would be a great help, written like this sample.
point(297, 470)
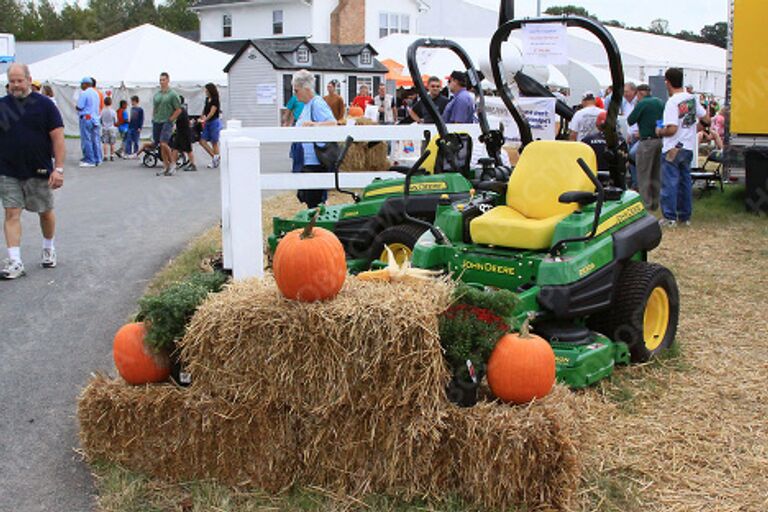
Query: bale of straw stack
point(170, 433)
point(364, 156)
point(373, 347)
point(347, 395)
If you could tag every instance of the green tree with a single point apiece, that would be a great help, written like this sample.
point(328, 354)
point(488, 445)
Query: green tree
point(569, 9)
point(175, 16)
point(31, 27)
point(11, 15)
point(77, 22)
point(716, 34)
point(51, 21)
point(141, 12)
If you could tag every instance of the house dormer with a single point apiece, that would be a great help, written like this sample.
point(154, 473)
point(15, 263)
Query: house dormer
point(303, 55)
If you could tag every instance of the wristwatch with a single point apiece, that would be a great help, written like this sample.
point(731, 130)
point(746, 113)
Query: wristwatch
point(59, 170)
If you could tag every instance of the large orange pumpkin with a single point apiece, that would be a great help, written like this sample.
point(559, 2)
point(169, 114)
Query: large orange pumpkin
point(135, 361)
point(355, 111)
point(521, 367)
point(310, 264)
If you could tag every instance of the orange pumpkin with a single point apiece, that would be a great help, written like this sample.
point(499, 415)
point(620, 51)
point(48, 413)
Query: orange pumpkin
point(521, 367)
point(355, 111)
point(135, 361)
point(310, 264)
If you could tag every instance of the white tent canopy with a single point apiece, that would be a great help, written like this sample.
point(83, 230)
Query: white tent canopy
point(130, 63)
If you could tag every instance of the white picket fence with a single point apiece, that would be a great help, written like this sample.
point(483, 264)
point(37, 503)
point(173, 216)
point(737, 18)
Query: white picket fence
point(242, 180)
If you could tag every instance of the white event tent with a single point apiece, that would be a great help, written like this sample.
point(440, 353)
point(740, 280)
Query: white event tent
point(130, 63)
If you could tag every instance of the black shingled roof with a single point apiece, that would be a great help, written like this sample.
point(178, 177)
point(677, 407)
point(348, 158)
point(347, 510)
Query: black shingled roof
point(325, 56)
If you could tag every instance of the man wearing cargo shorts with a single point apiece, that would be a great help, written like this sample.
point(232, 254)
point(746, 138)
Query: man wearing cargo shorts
point(166, 108)
point(31, 165)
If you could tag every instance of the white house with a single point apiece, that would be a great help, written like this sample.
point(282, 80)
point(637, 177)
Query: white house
point(323, 21)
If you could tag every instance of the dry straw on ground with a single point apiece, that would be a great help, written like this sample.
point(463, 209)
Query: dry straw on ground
point(347, 395)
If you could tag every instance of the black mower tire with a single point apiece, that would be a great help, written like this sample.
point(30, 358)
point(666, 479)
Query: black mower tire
point(625, 320)
point(405, 234)
point(149, 160)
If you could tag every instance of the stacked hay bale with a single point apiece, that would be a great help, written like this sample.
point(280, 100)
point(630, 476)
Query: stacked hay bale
point(347, 395)
point(366, 156)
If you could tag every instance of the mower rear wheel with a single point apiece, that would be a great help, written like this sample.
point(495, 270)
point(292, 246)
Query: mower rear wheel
point(645, 310)
point(400, 239)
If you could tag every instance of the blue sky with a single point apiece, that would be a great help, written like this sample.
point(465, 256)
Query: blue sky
point(682, 14)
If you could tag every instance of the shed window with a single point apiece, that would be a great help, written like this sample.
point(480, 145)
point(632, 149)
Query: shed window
point(226, 25)
point(277, 22)
point(302, 55)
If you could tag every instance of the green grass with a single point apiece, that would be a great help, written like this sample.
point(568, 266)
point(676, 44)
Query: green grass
point(202, 248)
point(715, 206)
point(122, 490)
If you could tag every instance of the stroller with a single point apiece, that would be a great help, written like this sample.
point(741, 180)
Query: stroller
point(152, 153)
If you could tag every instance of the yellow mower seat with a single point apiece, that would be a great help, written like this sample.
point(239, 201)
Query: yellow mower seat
point(545, 170)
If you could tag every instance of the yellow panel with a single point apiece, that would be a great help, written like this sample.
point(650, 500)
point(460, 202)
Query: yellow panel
point(749, 74)
point(545, 170)
point(505, 227)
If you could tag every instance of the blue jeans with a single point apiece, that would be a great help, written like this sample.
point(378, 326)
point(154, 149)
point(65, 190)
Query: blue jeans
point(676, 186)
point(633, 167)
point(131, 141)
point(89, 140)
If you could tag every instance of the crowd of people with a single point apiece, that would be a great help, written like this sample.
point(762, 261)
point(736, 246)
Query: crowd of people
point(106, 133)
point(661, 141)
point(306, 108)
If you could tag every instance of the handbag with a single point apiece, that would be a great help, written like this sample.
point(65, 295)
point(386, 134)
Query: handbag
point(327, 153)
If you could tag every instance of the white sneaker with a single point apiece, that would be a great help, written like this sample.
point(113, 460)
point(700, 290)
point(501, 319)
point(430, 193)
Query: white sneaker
point(666, 223)
point(12, 269)
point(49, 258)
point(87, 164)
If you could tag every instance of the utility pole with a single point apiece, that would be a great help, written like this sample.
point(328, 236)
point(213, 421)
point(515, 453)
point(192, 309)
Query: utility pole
point(538, 8)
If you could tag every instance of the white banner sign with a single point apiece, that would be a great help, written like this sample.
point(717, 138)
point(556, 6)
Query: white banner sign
point(266, 94)
point(545, 43)
point(540, 113)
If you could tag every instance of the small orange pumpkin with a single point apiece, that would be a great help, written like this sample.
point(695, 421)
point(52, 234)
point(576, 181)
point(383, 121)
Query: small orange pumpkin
point(310, 264)
point(135, 361)
point(355, 111)
point(521, 367)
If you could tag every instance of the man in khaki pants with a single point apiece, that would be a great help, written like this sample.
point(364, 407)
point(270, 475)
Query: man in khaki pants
point(646, 113)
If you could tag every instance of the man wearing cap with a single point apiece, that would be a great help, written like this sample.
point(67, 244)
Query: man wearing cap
point(646, 113)
point(90, 128)
point(32, 155)
point(584, 122)
point(461, 108)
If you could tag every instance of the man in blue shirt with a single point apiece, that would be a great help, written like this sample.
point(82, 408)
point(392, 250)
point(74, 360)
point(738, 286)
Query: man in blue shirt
point(31, 165)
point(90, 127)
point(461, 108)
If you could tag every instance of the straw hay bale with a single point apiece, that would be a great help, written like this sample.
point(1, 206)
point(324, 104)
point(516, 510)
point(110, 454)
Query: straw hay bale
point(364, 156)
point(510, 456)
point(372, 347)
point(175, 435)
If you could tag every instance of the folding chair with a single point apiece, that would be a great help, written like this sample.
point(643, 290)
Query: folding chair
point(711, 171)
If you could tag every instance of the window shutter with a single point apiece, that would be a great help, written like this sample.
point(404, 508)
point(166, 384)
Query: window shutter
point(352, 87)
point(318, 85)
point(287, 88)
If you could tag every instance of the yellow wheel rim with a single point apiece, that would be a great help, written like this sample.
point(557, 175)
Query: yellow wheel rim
point(656, 318)
point(401, 252)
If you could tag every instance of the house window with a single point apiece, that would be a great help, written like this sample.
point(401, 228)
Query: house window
point(365, 80)
point(302, 55)
point(365, 58)
point(277, 22)
point(226, 25)
point(393, 23)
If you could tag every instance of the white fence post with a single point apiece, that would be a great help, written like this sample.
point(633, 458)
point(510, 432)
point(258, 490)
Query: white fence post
point(233, 126)
point(245, 207)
